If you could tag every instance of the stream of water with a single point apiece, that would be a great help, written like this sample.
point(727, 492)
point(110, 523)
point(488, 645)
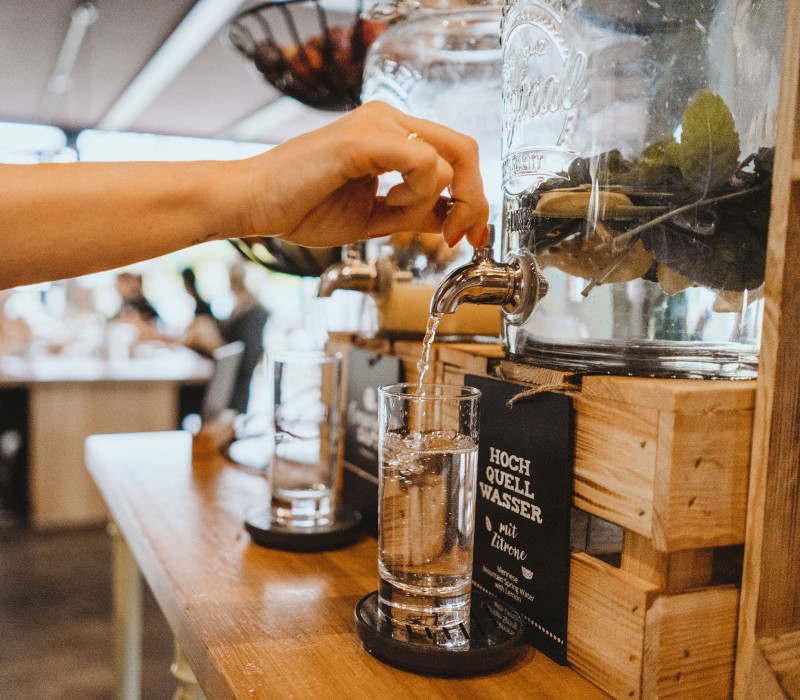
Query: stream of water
point(430, 333)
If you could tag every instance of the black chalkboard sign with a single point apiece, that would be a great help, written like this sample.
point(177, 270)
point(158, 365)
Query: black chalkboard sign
point(366, 371)
point(522, 513)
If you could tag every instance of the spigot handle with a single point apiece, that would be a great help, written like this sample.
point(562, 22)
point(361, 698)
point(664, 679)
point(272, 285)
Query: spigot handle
point(489, 236)
point(354, 251)
point(486, 252)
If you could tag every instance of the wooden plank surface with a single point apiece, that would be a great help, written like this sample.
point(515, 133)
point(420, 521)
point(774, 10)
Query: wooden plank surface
point(690, 644)
point(678, 478)
point(606, 625)
point(259, 623)
point(672, 572)
point(700, 490)
point(615, 461)
point(771, 582)
point(679, 395)
point(782, 654)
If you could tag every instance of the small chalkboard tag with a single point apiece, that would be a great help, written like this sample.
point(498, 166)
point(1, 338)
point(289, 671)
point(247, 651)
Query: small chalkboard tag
point(522, 513)
point(366, 371)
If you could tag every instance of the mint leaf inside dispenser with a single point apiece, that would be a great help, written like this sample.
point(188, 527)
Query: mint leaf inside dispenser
point(717, 240)
point(709, 148)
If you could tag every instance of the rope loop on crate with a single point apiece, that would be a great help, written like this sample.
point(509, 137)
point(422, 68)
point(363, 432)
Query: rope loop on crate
point(536, 388)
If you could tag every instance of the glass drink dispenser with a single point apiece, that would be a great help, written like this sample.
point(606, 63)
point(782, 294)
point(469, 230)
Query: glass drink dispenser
point(438, 60)
point(637, 147)
point(441, 60)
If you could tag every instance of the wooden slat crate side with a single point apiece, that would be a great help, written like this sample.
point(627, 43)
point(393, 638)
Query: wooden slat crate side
point(453, 376)
point(700, 492)
point(409, 348)
point(380, 346)
point(472, 358)
point(677, 478)
point(690, 645)
point(681, 395)
point(606, 625)
point(409, 352)
point(671, 571)
point(615, 461)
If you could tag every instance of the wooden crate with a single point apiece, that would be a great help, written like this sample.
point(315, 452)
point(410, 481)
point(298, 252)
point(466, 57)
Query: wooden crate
point(633, 639)
point(667, 460)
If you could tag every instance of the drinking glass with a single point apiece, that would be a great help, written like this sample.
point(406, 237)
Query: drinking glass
point(304, 468)
point(426, 509)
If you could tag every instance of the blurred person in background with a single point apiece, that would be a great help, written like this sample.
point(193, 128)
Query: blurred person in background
point(134, 307)
point(246, 323)
point(201, 306)
point(15, 333)
point(203, 334)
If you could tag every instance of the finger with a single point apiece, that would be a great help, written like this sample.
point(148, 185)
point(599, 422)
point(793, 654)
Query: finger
point(389, 149)
point(470, 211)
point(421, 186)
point(385, 220)
point(408, 204)
point(341, 219)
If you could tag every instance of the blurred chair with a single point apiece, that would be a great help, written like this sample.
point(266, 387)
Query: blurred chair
point(220, 388)
point(213, 426)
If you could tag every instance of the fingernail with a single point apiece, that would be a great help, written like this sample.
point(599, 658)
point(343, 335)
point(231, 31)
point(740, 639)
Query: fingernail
point(456, 240)
point(485, 236)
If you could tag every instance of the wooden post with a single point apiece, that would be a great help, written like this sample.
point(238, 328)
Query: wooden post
point(127, 602)
point(769, 623)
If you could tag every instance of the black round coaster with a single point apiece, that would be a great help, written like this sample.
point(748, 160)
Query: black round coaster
point(495, 639)
point(342, 530)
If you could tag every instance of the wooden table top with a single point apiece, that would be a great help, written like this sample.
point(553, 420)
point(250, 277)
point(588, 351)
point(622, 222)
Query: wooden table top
point(260, 623)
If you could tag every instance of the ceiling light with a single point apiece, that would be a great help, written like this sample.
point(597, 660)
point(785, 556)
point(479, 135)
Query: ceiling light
point(199, 26)
point(83, 17)
point(275, 113)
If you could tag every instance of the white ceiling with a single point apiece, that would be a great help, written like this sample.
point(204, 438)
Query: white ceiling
point(215, 95)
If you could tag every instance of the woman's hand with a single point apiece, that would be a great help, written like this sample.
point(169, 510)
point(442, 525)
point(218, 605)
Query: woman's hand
point(68, 219)
point(319, 189)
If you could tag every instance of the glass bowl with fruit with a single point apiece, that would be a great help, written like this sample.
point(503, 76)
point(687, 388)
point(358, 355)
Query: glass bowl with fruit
point(306, 50)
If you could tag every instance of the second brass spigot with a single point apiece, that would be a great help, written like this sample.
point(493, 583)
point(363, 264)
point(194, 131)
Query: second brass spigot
point(516, 284)
point(353, 273)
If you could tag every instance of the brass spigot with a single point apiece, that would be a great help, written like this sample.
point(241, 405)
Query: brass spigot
point(353, 273)
point(516, 284)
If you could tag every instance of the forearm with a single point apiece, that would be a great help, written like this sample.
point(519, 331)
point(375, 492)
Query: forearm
point(319, 189)
point(60, 221)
